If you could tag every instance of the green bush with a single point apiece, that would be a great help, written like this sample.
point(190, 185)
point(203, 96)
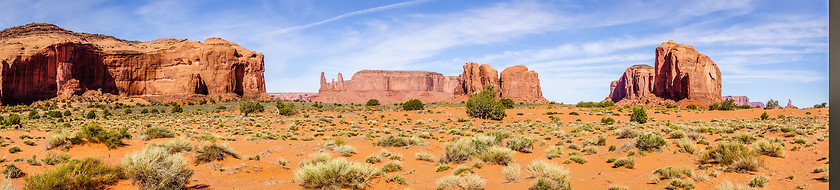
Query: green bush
point(691, 107)
point(733, 154)
point(14, 119)
point(759, 181)
point(250, 106)
point(466, 148)
point(14, 150)
point(333, 174)
point(649, 142)
point(639, 115)
point(33, 115)
point(484, 105)
point(285, 109)
point(607, 121)
point(95, 134)
point(521, 144)
point(157, 168)
point(680, 184)
point(627, 162)
point(209, 151)
point(372, 102)
point(671, 172)
point(413, 104)
point(13, 171)
point(507, 103)
point(392, 166)
point(176, 109)
point(392, 141)
point(497, 155)
point(87, 173)
point(158, 132)
point(90, 115)
point(764, 116)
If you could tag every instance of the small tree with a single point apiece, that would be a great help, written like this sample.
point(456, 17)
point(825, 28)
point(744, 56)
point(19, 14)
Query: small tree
point(249, 106)
point(507, 103)
point(372, 102)
point(771, 104)
point(285, 109)
point(639, 115)
point(14, 119)
point(484, 105)
point(413, 104)
point(764, 116)
point(823, 105)
point(728, 105)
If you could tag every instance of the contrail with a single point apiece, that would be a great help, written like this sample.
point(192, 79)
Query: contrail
point(361, 12)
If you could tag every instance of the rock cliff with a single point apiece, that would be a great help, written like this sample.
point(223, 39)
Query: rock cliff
point(42, 61)
point(680, 74)
point(520, 85)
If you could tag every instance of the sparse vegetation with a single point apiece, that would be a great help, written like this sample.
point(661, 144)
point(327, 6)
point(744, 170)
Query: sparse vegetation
point(86, 173)
point(484, 105)
point(157, 168)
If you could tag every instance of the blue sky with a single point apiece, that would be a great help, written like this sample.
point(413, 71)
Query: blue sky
point(765, 49)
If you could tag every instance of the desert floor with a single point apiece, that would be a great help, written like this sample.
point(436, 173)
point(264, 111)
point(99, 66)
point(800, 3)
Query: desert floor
point(802, 132)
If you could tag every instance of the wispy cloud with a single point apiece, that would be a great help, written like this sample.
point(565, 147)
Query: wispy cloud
point(350, 14)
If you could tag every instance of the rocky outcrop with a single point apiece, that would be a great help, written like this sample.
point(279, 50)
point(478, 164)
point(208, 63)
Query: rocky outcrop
point(516, 83)
point(683, 74)
point(680, 74)
point(520, 85)
point(743, 101)
point(636, 82)
point(42, 61)
point(388, 87)
point(291, 96)
point(790, 105)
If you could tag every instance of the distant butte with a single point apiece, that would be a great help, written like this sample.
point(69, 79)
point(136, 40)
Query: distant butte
point(516, 83)
point(41, 61)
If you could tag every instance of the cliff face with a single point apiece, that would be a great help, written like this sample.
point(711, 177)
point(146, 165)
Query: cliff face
point(388, 87)
point(681, 74)
point(520, 84)
point(41, 61)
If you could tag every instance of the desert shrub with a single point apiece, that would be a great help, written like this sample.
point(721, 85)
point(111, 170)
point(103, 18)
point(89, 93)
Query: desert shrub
point(649, 142)
point(466, 148)
point(733, 154)
point(158, 132)
point(175, 146)
point(764, 116)
point(607, 121)
point(333, 174)
point(759, 181)
point(728, 185)
point(13, 119)
point(54, 114)
point(53, 158)
point(14, 149)
point(590, 150)
point(447, 182)
point(692, 107)
point(676, 134)
point(208, 152)
point(680, 184)
point(462, 170)
point(554, 152)
point(424, 156)
point(392, 166)
point(287, 109)
point(507, 103)
point(157, 168)
point(372, 102)
point(627, 162)
point(772, 104)
point(413, 104)
point(769, 148)
point(626, 132)
point(521, 143)
point(674, 172)
point(511, 172)
point(87, 173)
point(176, 109)
point(497, 155)
point(687, 146)
point(744, 138)
point(250, 106)
point(344, 150)
point(639, 115)
point(63, 140)
point(13, 171)
point(93, 133)
point(373, 159)
point(484, 105)
point(551, 176)
point(578, 158)
point(33, 115)
point(599, 140)
point(392, 141)
point(472, 182)
point(442, 167)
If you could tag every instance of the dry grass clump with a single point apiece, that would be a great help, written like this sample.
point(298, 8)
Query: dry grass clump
point(424, 156)
point(156, 132)
point(466, 182)
point(511, 172)
point(63, 140)
point(626, 132)
point(759, 181)
point(208, 152)
point(175, 146)
point(497, 155)
point(87, 173)
point(728, 185)
point(674, 172)
point(649, 142)
point(551, 176)
point(157, 168)
point(687, 146)
point(680, 184)
point(344, 150)
point(769, 148)
point(392, 166)
point(627, 162)
point(392, 141)
point(521, 143)
point(334, 174)
point(466, 148)
point(554, 152)
point(733, 154)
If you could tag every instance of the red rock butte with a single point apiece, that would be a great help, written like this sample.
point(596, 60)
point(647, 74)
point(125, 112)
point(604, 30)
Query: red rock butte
point(41, 61)
point(681, 75)
point(516, 83)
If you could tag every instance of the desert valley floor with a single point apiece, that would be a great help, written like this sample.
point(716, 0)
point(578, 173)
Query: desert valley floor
point(587, 146)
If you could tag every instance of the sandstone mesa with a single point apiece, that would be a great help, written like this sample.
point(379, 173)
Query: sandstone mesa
point(41, 61)
point(516, 83)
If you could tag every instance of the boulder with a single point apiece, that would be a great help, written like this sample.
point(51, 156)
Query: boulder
point(685, 75)
point(520, 85)
point(41, 61)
